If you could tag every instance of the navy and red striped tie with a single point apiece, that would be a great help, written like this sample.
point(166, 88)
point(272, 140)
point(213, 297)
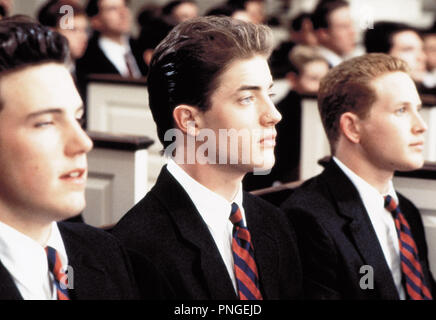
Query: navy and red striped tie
point(410, 265)
point(246, 273)
point(60, 278)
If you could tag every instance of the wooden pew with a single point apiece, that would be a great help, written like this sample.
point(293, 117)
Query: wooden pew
point(117, 105)
point(117, 176)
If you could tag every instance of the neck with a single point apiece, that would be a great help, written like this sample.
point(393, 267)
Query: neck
point(375, 175)
point(217, 178)
point(28, 225)
point(118, 38)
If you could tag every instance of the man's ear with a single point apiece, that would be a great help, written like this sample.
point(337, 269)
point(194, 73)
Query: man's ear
point(322, 35)
point(349, 124)
point(292, 78)
point(95, 23)
point(185, 117)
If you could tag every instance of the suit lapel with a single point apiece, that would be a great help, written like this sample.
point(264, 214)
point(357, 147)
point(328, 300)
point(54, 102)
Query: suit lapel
point(265, 248)
point(88, 277)
point(8, 289)
point(360, 229)
point(193, 229)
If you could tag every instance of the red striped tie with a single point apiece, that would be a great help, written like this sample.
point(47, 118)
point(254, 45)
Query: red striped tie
point(60, 278)
point(410, 266)
point(243, 256)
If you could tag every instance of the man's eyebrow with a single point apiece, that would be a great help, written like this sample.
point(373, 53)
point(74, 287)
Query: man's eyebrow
point(243, 88)
point(51, 110)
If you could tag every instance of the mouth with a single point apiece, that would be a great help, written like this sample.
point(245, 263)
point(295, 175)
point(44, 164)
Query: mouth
point(268, 141)
point(419, 145)
point(77, 176)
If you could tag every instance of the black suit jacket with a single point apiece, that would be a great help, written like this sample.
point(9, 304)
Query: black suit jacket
point(101, 269)
point(336, 238)
point(94, 61)
point(166, 226)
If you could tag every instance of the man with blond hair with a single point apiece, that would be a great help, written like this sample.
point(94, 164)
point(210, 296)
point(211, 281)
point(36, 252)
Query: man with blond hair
point(358, 237)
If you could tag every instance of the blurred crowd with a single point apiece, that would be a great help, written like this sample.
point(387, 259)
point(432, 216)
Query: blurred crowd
point(101, 42)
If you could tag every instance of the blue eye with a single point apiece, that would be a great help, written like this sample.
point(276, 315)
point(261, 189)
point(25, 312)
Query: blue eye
point(400, 110)
point(247, 100)
point(43, 124)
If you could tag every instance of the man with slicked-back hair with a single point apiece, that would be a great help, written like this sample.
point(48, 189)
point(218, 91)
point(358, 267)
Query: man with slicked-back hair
point(210, 239)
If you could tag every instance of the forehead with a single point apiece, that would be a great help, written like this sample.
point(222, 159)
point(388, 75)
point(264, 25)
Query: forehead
point(396, 87)
point(37, 87)
point(110, 3)
point(246, 72)
point(406, 38)
point(339, 15)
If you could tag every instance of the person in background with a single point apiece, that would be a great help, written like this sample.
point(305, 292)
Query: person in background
point(229, 10)
point(359, 238)
point(76, 30)
point(300, 33)
point(401, 41)
point(334, 30)
point(111, 49)
point(210, 239)
point(153, 29)
point(179, 10)
point(255, 9)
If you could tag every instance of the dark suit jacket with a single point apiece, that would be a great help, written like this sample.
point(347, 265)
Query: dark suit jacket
point(101, 269)
point(336, 238)
point(94, 61)
point(166, 226)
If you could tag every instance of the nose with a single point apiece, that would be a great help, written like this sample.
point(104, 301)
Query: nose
point(78, 141)
point(420, 126)
point(271, 116)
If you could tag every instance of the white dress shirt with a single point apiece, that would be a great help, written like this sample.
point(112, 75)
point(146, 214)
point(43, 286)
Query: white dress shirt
point(382, 222)
point(215, 211)
point(116, 52)
point(26, 261)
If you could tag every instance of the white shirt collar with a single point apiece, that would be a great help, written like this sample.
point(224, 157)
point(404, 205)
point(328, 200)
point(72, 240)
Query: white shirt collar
point(367, 191)
point(26, 261)
point(215, 211)
point(381, 220)
point(332, 57)
point(212, 207)
point(116, 52)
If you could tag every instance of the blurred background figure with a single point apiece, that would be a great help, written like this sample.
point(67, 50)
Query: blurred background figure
point(50, 15)
point(153, 29)
point(255, 9)
point(300, 32)
point(180, 10)
point(6, 7)
point(401, 41)
point(429, 37)
point(230, 10)
point(334, 30)
point(111, 50)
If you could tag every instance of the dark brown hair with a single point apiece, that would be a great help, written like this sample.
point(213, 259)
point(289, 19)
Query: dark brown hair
point(24, 42)
point(187, 64)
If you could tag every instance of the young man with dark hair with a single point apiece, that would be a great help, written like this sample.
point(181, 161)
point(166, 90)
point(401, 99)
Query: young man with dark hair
point(210, 78)
point(358, 237)
point(334, 30)
point(44, 171)
point(53, 14)
point(111, 50)
point(401, 41)
point(177, 11)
